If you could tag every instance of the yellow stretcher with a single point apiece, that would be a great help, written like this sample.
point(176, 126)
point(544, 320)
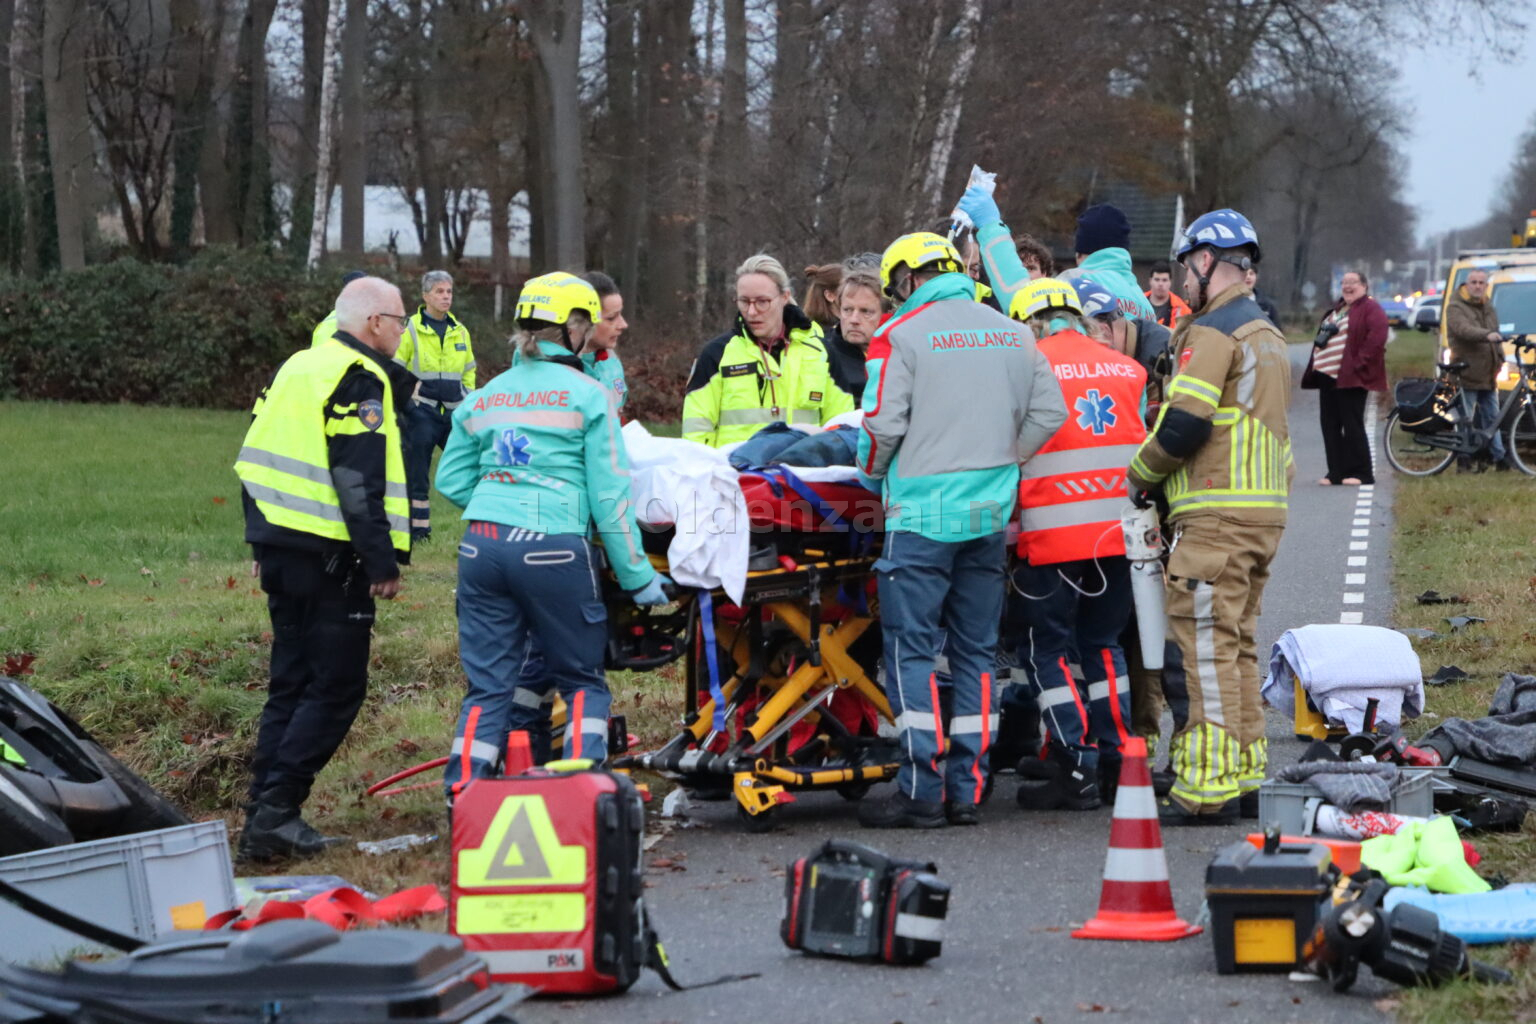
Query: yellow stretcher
point(799, 704)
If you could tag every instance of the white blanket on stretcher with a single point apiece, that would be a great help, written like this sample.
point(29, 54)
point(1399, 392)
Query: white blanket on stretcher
point(1342, 667)
point(694, 488)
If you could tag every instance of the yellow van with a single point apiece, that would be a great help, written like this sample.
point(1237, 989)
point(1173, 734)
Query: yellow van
point(1512, 288)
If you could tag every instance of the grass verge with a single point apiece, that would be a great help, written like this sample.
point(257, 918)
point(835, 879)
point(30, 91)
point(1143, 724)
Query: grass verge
point(1469, 535)
point(124, 574)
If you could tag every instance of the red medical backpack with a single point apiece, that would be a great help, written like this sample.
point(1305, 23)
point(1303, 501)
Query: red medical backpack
point(547, 879)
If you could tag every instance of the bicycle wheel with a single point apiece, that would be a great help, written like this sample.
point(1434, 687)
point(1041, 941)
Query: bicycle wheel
point(1409, 453)
point(1522, 439)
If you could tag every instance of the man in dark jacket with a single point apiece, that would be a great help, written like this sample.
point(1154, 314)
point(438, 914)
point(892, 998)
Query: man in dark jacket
point(323, 485)
point(1472, 328)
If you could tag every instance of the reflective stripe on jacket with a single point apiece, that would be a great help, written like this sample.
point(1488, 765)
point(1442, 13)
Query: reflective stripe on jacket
point(737, 388)
point(1072, 492)
point(539, 448)
point(284, 463)
point(445, 366)
point(1233, 370)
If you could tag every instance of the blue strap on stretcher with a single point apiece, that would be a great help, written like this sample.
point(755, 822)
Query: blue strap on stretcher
point(712, 656)
point(781, 477)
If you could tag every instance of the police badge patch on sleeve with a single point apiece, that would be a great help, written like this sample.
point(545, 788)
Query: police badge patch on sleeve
point(371, 413)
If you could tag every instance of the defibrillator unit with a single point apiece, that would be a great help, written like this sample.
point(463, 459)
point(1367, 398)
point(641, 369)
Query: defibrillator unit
point(547, 878)
point(851, 901)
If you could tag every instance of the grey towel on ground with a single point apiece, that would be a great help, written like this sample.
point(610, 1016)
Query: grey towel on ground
point(1507, 736)
point(1350, 785)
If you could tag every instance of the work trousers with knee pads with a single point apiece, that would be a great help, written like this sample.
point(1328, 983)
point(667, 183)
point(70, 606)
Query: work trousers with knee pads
point(1217, 570)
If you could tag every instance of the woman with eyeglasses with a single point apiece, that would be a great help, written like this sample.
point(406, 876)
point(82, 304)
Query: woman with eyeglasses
point(771, 367)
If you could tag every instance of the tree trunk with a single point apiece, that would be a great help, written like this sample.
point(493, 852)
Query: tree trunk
point(666, 30)
point(353, 157)
point(732, 159)
point(430, 228)
point(556, 33)
point(307, 155)
point(194, 47)
point(708, 138)
point(501, 233)
point(628, 155)
point(26, 121)
point(792, 45)
point(69, 124)
point(324, 150)
point(919, 123)
point(247, 153)
point(10, 186)
point(964, 40)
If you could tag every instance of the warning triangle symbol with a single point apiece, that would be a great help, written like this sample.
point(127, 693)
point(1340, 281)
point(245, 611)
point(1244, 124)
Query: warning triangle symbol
point(518, 840)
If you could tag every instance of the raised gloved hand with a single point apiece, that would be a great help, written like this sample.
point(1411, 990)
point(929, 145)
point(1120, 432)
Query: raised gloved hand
point(976, 208)
point(653, 592)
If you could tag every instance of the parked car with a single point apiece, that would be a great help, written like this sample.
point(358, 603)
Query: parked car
point(1397, 311)
point(1425, 314)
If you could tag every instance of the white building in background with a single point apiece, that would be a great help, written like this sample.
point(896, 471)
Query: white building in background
point(385, 212)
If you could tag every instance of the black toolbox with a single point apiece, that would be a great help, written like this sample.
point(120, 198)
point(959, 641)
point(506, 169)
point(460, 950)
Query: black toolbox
point(1264, 902)
point(285, 972)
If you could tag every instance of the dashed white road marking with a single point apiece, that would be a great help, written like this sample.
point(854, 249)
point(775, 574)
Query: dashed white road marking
point(1356, 560)
point(1351, 618)
point(1354, 579)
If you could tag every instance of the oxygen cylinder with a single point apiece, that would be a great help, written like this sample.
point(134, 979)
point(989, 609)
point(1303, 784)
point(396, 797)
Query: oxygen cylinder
point(1144, 550)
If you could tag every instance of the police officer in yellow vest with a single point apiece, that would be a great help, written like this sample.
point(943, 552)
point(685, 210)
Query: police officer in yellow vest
point(770, 368)
point(1221, 455)
point(325, 330)
point(436, 349)
point(323, 485)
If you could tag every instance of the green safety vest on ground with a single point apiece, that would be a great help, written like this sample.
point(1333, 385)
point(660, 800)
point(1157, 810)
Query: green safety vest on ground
point(284, 463)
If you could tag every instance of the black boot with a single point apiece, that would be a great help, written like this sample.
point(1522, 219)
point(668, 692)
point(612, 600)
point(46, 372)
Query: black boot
point(901, 811)
point(276, 830)
point(1054, 783)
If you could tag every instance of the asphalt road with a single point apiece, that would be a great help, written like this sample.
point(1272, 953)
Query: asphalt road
point(1020, 880)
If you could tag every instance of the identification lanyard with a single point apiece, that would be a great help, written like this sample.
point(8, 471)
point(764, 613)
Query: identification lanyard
point(769, 377)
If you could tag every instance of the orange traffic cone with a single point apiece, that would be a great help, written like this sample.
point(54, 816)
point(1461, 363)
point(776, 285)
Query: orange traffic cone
point(1136, 902)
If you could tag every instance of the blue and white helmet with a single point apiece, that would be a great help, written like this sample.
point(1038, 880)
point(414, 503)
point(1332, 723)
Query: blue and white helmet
point(1096, 300)
point(1219, 229)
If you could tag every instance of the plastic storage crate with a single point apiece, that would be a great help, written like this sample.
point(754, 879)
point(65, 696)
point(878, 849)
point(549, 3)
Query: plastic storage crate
point(146, 885)
point(1285, 803)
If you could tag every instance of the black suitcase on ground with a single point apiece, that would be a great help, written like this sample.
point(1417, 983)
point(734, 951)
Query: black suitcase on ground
point(286, 972)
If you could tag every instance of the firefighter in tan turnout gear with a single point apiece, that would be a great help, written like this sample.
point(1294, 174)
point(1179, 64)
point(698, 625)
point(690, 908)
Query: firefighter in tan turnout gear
point(1221, 455)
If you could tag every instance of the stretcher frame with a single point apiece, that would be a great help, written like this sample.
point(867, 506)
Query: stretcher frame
point(756, 764)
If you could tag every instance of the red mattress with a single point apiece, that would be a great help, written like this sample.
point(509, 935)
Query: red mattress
point(773, 503)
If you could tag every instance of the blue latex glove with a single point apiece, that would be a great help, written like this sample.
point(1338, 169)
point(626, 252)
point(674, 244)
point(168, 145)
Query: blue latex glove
point(652, 593)
point(979, 206)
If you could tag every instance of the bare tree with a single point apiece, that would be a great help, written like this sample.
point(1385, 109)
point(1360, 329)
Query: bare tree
point(555, 28)
point(329, 84)
point(353, 157)
point(66, 31)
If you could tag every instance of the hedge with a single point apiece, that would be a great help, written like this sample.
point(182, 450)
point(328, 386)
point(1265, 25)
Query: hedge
point(210, 332)
point(207, 333)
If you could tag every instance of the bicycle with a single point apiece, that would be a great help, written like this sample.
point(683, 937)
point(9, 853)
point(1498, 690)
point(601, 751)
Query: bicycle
point(1429, 426)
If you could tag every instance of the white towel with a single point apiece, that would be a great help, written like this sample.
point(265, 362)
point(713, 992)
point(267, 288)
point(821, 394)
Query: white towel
point(691, 487)
point(1342, 668)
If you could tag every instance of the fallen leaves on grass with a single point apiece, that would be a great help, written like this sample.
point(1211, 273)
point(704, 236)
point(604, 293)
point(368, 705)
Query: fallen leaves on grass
point(83, 578)
point(219, 501)
point(19, 664)
point(408, 747)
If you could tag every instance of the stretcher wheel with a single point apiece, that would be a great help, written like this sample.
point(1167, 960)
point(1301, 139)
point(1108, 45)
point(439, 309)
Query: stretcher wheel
point(853, 791)
point(757, 824)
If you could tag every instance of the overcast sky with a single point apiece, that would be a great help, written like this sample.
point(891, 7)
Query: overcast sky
point(1463, 130)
